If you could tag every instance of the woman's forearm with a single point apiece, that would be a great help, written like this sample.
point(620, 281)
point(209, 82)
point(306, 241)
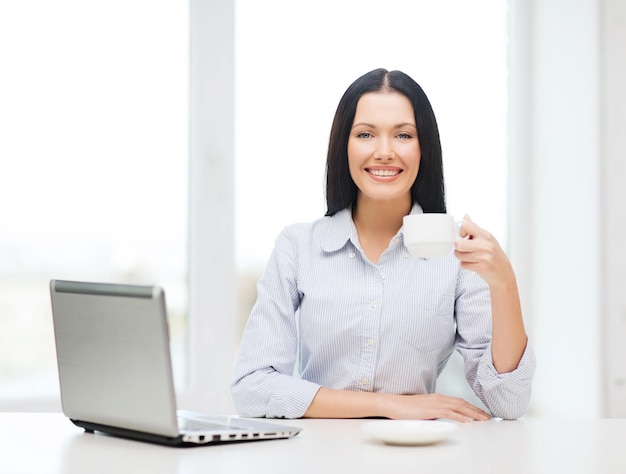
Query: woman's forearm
point(509, 335)
point(329, 403)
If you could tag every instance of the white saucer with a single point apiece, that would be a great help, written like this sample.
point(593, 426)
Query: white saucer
point(409, 432)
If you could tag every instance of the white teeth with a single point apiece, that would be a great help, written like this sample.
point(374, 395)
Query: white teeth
point(384, 172)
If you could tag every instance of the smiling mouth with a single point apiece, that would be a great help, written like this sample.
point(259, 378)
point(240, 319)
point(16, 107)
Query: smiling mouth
point(384, 173)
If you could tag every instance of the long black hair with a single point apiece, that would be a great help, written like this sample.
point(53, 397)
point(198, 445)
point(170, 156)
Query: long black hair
point(428, 189)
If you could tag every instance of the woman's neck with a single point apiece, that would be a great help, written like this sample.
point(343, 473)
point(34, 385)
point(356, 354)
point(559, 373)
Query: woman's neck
point(380, 215)
point(377, 222)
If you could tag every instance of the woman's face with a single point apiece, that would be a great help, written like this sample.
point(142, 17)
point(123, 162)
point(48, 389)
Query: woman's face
point(383, 148)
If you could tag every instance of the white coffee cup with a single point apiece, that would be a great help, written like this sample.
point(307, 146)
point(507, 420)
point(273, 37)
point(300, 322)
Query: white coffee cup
point(429, 235)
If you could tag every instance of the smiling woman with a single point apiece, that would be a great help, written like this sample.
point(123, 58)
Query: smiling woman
point(334, 331)
point(455, 49)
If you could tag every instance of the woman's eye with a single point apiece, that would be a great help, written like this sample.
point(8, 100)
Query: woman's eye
point(404, 136)
point(364, 135)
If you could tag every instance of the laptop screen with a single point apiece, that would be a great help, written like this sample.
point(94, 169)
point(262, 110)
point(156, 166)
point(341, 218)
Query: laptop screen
point(113, 355)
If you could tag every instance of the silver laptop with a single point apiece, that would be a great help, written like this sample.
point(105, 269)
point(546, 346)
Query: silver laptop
point(115, 372)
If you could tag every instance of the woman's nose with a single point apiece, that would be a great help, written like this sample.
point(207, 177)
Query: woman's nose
point(384, 151)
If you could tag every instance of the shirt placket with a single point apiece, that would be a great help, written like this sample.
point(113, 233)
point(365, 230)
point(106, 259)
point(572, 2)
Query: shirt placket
point(371, 329)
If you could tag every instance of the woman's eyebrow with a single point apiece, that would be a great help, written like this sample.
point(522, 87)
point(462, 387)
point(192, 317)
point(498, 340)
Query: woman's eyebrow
point(402, 125)
point(369, 125)
point(363, 124)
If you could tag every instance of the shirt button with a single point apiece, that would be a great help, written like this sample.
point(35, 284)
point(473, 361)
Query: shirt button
point(365, 381)
point(352, 255)
point(370, 342)
point(374, 304)
point(382, 275)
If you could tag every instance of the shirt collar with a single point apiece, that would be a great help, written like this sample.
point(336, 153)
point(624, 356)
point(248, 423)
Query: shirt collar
point(416, 209)
point(341, 229)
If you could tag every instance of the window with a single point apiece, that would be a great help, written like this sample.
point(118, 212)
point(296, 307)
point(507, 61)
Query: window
point(94, 152)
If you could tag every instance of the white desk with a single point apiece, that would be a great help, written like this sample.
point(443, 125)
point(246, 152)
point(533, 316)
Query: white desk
point(49, 443)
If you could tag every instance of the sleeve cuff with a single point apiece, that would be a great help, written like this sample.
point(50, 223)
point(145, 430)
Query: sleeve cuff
point(291, 398)
point(489, 377)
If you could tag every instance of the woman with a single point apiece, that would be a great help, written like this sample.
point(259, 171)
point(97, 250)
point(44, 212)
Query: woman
point(347, 324)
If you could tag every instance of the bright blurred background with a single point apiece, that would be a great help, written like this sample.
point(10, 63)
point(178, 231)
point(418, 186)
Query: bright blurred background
point(96, 110)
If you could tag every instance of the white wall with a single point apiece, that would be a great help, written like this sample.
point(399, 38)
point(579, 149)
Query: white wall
point(213, 326)
point(565, 176)
point(613, 195)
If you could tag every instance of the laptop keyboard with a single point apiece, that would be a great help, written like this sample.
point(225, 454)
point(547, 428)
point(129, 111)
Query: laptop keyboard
point(201, 425)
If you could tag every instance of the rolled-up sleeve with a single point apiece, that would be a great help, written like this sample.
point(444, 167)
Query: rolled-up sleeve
point(505, 394)
point(263, 384)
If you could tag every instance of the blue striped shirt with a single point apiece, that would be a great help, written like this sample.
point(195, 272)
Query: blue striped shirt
point(327, 316)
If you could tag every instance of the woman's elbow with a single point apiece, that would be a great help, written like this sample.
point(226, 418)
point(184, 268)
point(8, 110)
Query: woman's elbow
point(245, 400)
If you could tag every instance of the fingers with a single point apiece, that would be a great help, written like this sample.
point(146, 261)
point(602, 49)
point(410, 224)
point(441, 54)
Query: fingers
point(480, 248)
point(471, 229)
point(458, 409)
point(434, 405)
